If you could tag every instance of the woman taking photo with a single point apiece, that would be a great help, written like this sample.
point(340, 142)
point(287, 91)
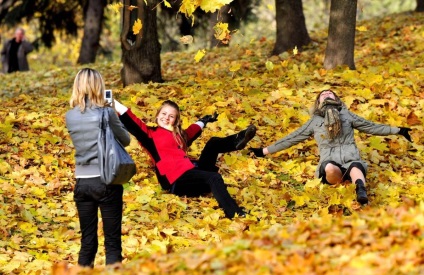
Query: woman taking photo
point(332, 126)
point(167, 145)
point(90, 193)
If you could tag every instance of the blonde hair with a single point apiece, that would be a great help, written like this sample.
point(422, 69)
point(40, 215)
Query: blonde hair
point(88, 88)
point(179, 135)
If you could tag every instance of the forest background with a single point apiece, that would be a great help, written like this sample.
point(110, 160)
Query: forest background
point(303, 227)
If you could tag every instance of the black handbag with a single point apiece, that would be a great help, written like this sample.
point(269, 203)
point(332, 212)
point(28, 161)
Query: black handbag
point(116, 165)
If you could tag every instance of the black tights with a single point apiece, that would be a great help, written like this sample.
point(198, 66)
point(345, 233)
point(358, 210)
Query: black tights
point(205, 178)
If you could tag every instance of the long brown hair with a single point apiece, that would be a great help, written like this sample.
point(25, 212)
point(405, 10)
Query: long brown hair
point(315, 108)
point(179, 135)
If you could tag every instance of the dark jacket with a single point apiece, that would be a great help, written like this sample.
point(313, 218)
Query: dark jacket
point(84, 130)
point(170, 160)
point(343, 148)
point(25, 48)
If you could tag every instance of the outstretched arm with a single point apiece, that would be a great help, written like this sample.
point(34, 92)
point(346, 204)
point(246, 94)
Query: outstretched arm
point(301, 134)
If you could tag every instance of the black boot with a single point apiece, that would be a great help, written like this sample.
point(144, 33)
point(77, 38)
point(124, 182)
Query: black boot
point(244, 137)
point(361, 192)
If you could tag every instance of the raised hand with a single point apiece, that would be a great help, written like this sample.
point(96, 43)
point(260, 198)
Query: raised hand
point(209, 118)
point(404, 132)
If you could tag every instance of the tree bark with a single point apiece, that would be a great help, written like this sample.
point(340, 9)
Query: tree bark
point(140, 52)
point(420, 6)
point(93, 21)
point(341, 34)
point(291, 26)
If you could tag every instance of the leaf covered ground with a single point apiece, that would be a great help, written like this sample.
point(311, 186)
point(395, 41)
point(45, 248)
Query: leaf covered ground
point(296, 225)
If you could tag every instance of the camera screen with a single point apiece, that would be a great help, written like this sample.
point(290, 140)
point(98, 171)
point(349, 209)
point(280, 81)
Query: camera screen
point(108, 95)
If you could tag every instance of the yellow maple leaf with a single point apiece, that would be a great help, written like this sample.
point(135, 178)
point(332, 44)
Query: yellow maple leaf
point(188, 7)
point(221, 31)
point(137, 26)
point(116, 7)
point(167, 4)
point(295, 50)
point(199, 55)
point(213, 6)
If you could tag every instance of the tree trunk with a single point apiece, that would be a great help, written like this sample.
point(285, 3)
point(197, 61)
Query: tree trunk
point(140, 52)
point(291, 27)
point(93, 21)
point(341, 34)
point(420, 6)
point(220, 16)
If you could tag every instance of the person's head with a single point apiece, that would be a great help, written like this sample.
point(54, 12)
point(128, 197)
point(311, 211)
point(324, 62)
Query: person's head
point(19, 34)
point(168, 117)
point(323, 95)
point(88, 88)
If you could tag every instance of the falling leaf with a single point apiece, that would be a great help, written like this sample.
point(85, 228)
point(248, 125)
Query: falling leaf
point(221, 31)
point(167, 4)
point(295, 50)
point(137, 26)
point(116, 7)
point(131, 7)
point(199, 55)
point(213, 6)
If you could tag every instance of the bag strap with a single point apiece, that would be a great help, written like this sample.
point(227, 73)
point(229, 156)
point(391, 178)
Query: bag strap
point(104, 118)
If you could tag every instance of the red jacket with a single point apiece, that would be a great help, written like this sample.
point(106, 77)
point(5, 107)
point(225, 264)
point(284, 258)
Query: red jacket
point(170, 160)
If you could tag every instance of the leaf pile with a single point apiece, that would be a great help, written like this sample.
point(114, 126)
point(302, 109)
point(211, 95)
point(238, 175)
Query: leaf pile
point(296, 225)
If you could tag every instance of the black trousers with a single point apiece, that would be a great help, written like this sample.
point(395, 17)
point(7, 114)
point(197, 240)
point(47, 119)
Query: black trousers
point(205, 178)
point(90, 194)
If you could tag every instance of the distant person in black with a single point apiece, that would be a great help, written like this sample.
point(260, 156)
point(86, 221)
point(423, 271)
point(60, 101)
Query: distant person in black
point(14, 53)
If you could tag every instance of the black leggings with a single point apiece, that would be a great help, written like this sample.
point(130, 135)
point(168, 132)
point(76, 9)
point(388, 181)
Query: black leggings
point(205, 178)
point(90, 195)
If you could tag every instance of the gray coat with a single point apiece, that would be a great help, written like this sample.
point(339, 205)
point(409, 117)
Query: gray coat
point(342, 149)
point(25, 48)
point(84, 129)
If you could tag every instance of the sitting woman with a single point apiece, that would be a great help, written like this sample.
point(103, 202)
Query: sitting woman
point(167, 145)
point(332, 126)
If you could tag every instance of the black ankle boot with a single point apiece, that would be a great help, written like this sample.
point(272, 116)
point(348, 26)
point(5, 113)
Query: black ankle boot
point(361, 192)
point(244, 137)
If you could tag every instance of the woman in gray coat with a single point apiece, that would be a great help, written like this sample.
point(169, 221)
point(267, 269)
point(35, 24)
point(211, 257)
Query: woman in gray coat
point(332, 126)
point(90, 193)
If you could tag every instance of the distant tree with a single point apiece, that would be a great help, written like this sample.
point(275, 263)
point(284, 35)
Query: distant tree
point(420, 6)
point(62, 17)
point(51, 15)
point(291, 26)
point(341, 34)
point(93, 22)
point(140, 52)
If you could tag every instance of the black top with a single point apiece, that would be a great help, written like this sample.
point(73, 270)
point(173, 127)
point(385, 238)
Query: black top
point(13, 56)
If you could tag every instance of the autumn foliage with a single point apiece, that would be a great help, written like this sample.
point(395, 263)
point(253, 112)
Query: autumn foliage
point(296, 225)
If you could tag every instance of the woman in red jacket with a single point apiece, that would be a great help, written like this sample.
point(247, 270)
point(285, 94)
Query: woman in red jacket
point(167, 145)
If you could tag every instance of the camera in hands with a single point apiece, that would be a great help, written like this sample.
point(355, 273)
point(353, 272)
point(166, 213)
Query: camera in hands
point(108, 97)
